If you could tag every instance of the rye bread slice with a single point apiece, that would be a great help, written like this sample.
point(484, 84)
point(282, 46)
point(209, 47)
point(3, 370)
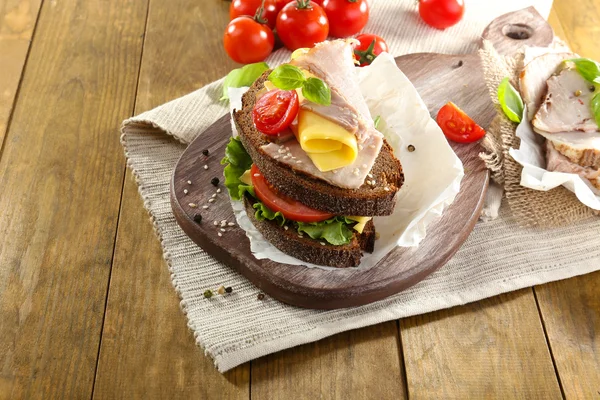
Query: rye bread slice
point(367, 200)
point(310, 250)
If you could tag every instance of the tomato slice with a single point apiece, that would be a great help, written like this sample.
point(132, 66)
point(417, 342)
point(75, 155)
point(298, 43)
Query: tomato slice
point(275, 111)
point(457, 125)
point(291, 209)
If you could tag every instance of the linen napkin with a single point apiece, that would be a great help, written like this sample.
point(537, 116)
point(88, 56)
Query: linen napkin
point(498, 256)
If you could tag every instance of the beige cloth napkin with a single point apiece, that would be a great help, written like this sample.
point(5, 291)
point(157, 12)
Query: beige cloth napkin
point(498, 256)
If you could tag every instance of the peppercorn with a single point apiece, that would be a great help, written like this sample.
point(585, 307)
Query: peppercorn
point(411, 148)
point(197, 218)
point(215, 181)
point(208, 294)
point(460, 64)
point(592, 88)
point(261, 296)
point(228, 289)
point(205, 152)
point(221, 290)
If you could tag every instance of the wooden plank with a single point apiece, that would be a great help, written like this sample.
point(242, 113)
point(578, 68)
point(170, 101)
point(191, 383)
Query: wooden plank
point(61, 174)
point(493, 349)
point(359, 364)
point(571, 308)
point(17, 22)
point(147, 351)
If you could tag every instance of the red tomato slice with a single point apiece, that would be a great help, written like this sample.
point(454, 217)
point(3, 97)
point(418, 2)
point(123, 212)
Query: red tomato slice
point(291, 209)
point(457, 125)
point(275, 111)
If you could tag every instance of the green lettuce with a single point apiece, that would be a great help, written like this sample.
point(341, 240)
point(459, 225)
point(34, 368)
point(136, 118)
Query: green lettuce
point(244, 76)
point(336, 231)
point(238, 161)
point(263, 212)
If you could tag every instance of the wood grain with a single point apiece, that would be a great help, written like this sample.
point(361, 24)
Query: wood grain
point(147, 350)
point(60, 174)
point(571, 308)
point(402, 267)
point(17, 22)
point(492, 349)
point(359, 364)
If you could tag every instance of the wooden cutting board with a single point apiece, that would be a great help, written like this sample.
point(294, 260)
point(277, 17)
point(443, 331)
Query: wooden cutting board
point(438, 79)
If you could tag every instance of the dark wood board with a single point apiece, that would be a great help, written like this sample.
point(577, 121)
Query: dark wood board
point(438, 79)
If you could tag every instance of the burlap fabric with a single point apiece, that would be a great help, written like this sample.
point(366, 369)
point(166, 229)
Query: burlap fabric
point(530, 207)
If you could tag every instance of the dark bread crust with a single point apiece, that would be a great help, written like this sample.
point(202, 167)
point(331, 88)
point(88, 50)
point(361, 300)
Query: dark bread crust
point(310, 250)
point(365, 201)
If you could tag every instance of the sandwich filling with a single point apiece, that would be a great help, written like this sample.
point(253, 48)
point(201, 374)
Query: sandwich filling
point(337, 142)
point(242, 178)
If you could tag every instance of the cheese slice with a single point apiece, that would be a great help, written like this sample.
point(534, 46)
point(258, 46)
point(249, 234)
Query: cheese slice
point(362, 221)
point(328, 145)
point(246, 178)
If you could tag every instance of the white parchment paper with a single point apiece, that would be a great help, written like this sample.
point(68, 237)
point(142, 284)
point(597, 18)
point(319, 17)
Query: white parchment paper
point(432, 172)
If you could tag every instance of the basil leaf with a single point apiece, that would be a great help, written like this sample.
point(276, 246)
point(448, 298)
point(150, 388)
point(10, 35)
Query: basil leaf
point(376, 121)
point(588, 69)
point(334, 231)
point(244, 76)
point(317, 91)
point(287, 77)
point(510, 101)
point(263, 212)
point(596, 107)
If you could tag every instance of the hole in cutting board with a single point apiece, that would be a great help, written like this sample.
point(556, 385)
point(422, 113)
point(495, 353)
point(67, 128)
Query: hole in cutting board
point(517, 31)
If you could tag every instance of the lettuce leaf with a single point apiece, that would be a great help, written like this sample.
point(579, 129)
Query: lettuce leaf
point(244, 76)
point(263, 212)
point(238, 161)
point(336, 231)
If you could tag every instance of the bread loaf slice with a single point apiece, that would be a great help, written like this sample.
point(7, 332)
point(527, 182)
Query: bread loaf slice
point(367, 200)
point(311, 250)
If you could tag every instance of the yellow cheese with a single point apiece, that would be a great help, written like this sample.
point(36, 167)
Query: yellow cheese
point(328, 145)
point(246, 178)
point(299, 52)
point(269, 85)
point(362, 221)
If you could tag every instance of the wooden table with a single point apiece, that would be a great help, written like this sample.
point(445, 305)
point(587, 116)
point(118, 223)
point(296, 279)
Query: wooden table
point(87, 307)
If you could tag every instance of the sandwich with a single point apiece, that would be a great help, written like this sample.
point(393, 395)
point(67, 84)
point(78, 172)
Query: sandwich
point(561, 106)
point(308, 161)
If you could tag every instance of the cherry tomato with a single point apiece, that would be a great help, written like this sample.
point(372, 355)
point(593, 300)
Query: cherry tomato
point(457, 125)
point(346, 17)
point(239, 8)
point(302, 23)
point(290, 208)
point(279, 4)
point(246, 41)
point(275, 111)
point(441, 14)
point(369, 47)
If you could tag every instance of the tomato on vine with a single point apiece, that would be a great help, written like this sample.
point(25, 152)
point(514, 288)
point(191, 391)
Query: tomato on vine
point(239, 8)
point(302, 23)
point(368, 48)
point(441, 14)
point(346, 17)
point(248, 40)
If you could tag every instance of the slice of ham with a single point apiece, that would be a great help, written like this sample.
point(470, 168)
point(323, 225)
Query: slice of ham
point(580, 147)
point(566, 106)
point(333, 62)
point(350, 177)
point(532, 80)
point(555, 161)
